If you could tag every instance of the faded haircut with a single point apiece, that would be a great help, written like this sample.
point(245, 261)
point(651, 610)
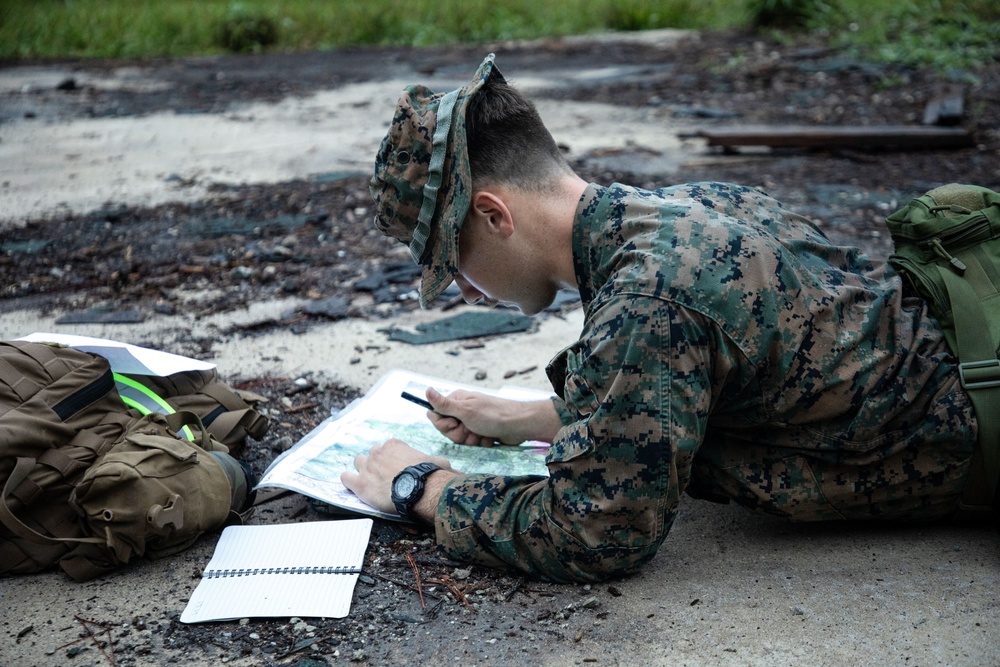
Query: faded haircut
point(508, 143)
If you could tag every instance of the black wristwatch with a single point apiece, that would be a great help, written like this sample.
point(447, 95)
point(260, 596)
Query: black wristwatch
point(408, 487)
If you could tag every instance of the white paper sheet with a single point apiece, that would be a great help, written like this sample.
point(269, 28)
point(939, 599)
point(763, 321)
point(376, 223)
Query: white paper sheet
point(123, 357)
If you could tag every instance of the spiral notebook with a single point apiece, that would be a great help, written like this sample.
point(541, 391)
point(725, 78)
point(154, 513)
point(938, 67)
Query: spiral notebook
point(296, 569)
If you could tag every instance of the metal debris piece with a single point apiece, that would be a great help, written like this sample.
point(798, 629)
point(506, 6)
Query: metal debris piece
point(704, 112)
point(334, 307)
point(465, 325)
point(945, 109)
point(29, 247)
point(103, 316)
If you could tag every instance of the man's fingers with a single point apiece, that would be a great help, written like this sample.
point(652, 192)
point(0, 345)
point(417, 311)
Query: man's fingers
point(442, 404)
point(452, 429)
point(443, 423)
point(382, 451)
point(476, 440)
point(451, 424)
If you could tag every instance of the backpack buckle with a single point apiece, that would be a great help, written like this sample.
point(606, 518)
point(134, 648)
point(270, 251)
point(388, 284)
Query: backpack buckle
point(979, 374)
point(172, 514)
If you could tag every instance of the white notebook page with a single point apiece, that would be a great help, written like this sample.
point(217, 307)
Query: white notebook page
point(281, 570)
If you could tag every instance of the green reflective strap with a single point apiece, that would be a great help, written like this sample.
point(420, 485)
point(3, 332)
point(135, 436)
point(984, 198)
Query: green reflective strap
point(135, 405)
point(140, 397)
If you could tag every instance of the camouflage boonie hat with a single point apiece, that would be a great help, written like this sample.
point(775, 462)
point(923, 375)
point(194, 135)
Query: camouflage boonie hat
point(422, 182)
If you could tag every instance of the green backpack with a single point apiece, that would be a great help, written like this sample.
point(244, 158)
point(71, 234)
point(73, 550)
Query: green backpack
point(90, 484)
point(947, 248)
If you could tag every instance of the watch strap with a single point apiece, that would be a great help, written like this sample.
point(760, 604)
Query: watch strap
point(419, 472)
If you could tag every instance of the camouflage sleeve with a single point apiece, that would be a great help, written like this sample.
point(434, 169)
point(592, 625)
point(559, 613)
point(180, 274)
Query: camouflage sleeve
point(640, 385)
point(566, 416)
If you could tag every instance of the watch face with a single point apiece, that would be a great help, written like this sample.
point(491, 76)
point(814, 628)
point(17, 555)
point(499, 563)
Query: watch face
point(404, 485)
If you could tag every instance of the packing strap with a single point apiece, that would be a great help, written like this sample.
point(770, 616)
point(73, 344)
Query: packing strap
point(22, 468)
point(237, 414)
point(979, 373)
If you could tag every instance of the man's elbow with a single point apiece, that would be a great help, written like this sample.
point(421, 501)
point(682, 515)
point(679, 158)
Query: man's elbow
point(593, 550)
point(564, 558)
point(600, 564)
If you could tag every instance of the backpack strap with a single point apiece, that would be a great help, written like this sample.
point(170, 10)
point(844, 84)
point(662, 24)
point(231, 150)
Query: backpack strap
point(246, 420)
point(54, 364)
point(82, 568)
point(979, 373)
point(239, 415)
point(233, 415)
point(18, 383)
point(179, 420)
point(22, 468)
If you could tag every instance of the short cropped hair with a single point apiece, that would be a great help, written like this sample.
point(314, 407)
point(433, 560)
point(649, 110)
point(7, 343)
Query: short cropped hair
point(508, 143)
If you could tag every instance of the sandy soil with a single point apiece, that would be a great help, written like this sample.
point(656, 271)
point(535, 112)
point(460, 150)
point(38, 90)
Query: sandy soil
point(208, 202)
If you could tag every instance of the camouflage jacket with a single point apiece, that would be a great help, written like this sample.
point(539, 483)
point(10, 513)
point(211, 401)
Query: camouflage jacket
point(729, 349)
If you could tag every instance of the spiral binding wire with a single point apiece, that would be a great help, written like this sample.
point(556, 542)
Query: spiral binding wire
point(216, 574)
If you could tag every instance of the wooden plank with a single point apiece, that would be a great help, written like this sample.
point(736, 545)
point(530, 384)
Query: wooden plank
point(856, 137)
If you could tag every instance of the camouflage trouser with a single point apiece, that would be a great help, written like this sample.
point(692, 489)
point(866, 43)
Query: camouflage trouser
point(918, 483)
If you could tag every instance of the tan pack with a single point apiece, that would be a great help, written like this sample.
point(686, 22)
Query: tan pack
point(88, 483)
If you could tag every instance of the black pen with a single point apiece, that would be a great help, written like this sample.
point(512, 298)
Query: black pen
point(419, 401)
point(424, 404)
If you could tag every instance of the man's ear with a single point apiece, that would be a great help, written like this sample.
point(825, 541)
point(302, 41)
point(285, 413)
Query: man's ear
point(491, 209)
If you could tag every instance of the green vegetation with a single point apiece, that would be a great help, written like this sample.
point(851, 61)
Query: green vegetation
point(943, 33)
point(787, 14)
point(142, 28)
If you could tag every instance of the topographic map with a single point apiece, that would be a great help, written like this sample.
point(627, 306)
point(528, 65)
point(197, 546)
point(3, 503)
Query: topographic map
point(313, 466)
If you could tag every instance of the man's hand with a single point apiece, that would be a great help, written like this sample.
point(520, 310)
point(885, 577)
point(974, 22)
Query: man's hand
point(375, 471)
point(473, 418)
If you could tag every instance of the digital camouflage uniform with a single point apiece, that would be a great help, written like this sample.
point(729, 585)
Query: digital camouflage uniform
point(729, 349)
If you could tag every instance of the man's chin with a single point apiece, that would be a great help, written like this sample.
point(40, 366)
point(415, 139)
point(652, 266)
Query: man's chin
point(525, 308)
point(531, 308)
point(517, 306)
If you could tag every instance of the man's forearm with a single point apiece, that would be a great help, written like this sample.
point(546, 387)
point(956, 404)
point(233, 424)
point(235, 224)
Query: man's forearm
point(426, 507)
point(474, 418)
point(538, 420)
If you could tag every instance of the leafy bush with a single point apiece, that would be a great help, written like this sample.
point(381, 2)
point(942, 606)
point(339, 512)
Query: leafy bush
point(786, 14)
point(626, 16)
point(948, 35)
point(243, 31)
